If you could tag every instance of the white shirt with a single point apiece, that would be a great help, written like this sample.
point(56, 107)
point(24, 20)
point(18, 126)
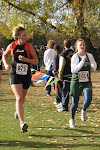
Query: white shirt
point(48, 58)
point(76, 65)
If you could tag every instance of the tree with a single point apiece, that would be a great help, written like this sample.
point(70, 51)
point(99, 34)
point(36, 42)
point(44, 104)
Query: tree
point(72, 18)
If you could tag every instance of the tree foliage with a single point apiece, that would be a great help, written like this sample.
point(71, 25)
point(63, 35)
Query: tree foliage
point(73, 18)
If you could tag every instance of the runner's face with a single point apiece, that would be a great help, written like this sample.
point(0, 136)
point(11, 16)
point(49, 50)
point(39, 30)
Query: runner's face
point(81, 47)
point(22, 37)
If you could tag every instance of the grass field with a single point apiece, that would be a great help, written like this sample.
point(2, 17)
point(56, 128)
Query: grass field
point(48, 129)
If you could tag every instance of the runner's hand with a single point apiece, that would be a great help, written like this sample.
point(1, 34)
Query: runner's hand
point(85, 57)
point(7, 67)
point(21, 58)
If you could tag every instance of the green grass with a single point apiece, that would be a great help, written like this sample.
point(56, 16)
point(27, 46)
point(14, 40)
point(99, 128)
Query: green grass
point(48, 129)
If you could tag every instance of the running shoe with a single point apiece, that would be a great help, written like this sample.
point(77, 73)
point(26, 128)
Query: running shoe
point(83, 115)
point(24, 127)
point(72, 123)
point(16, 116)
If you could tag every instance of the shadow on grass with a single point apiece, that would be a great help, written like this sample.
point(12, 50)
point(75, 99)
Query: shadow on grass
point(74, 129)
point(85, 131)
point(5, 100)
point(65, 136)
point(25, 144)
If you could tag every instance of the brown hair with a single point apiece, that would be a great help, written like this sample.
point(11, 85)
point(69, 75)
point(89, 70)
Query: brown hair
point(67, 43)
point(17, 31)
point(50, 44)
point(75, 45)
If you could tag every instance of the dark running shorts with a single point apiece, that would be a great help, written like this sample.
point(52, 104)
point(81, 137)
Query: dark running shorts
point(20, 79)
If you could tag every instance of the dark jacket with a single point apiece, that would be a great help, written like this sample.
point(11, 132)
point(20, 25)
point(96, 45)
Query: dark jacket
point(65, 63)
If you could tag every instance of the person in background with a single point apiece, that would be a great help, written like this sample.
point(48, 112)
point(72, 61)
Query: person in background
point(34, 67)
point(33, 70)
point(41, 54)
point(23, 54)
point(37, 49)
point(82, 63)
point(3, 50)
point(58, 88)
point(48, 60)
point(65, 73)
point(0, 67)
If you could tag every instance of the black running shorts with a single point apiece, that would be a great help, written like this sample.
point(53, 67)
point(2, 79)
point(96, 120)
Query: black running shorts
point(20, 79)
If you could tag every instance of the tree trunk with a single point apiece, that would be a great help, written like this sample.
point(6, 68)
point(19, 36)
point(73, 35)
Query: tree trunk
point(81, 27)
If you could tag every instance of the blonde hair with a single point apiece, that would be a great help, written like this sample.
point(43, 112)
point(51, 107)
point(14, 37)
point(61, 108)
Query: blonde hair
point(50, 44)
point(75, 45)
point(17, 30)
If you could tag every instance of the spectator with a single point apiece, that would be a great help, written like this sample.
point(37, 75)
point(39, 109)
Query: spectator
point(57, 51)
point(65, 73)
point(48, 60)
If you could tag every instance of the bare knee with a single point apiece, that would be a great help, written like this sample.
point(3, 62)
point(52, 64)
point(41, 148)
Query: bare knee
point(19, 99)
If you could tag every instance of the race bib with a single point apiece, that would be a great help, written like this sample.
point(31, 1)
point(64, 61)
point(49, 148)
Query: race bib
point(21, 69)
point(83, 76)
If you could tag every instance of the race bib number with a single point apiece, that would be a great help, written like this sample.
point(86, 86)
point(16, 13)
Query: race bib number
point(83, 76)
point(21, 69)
